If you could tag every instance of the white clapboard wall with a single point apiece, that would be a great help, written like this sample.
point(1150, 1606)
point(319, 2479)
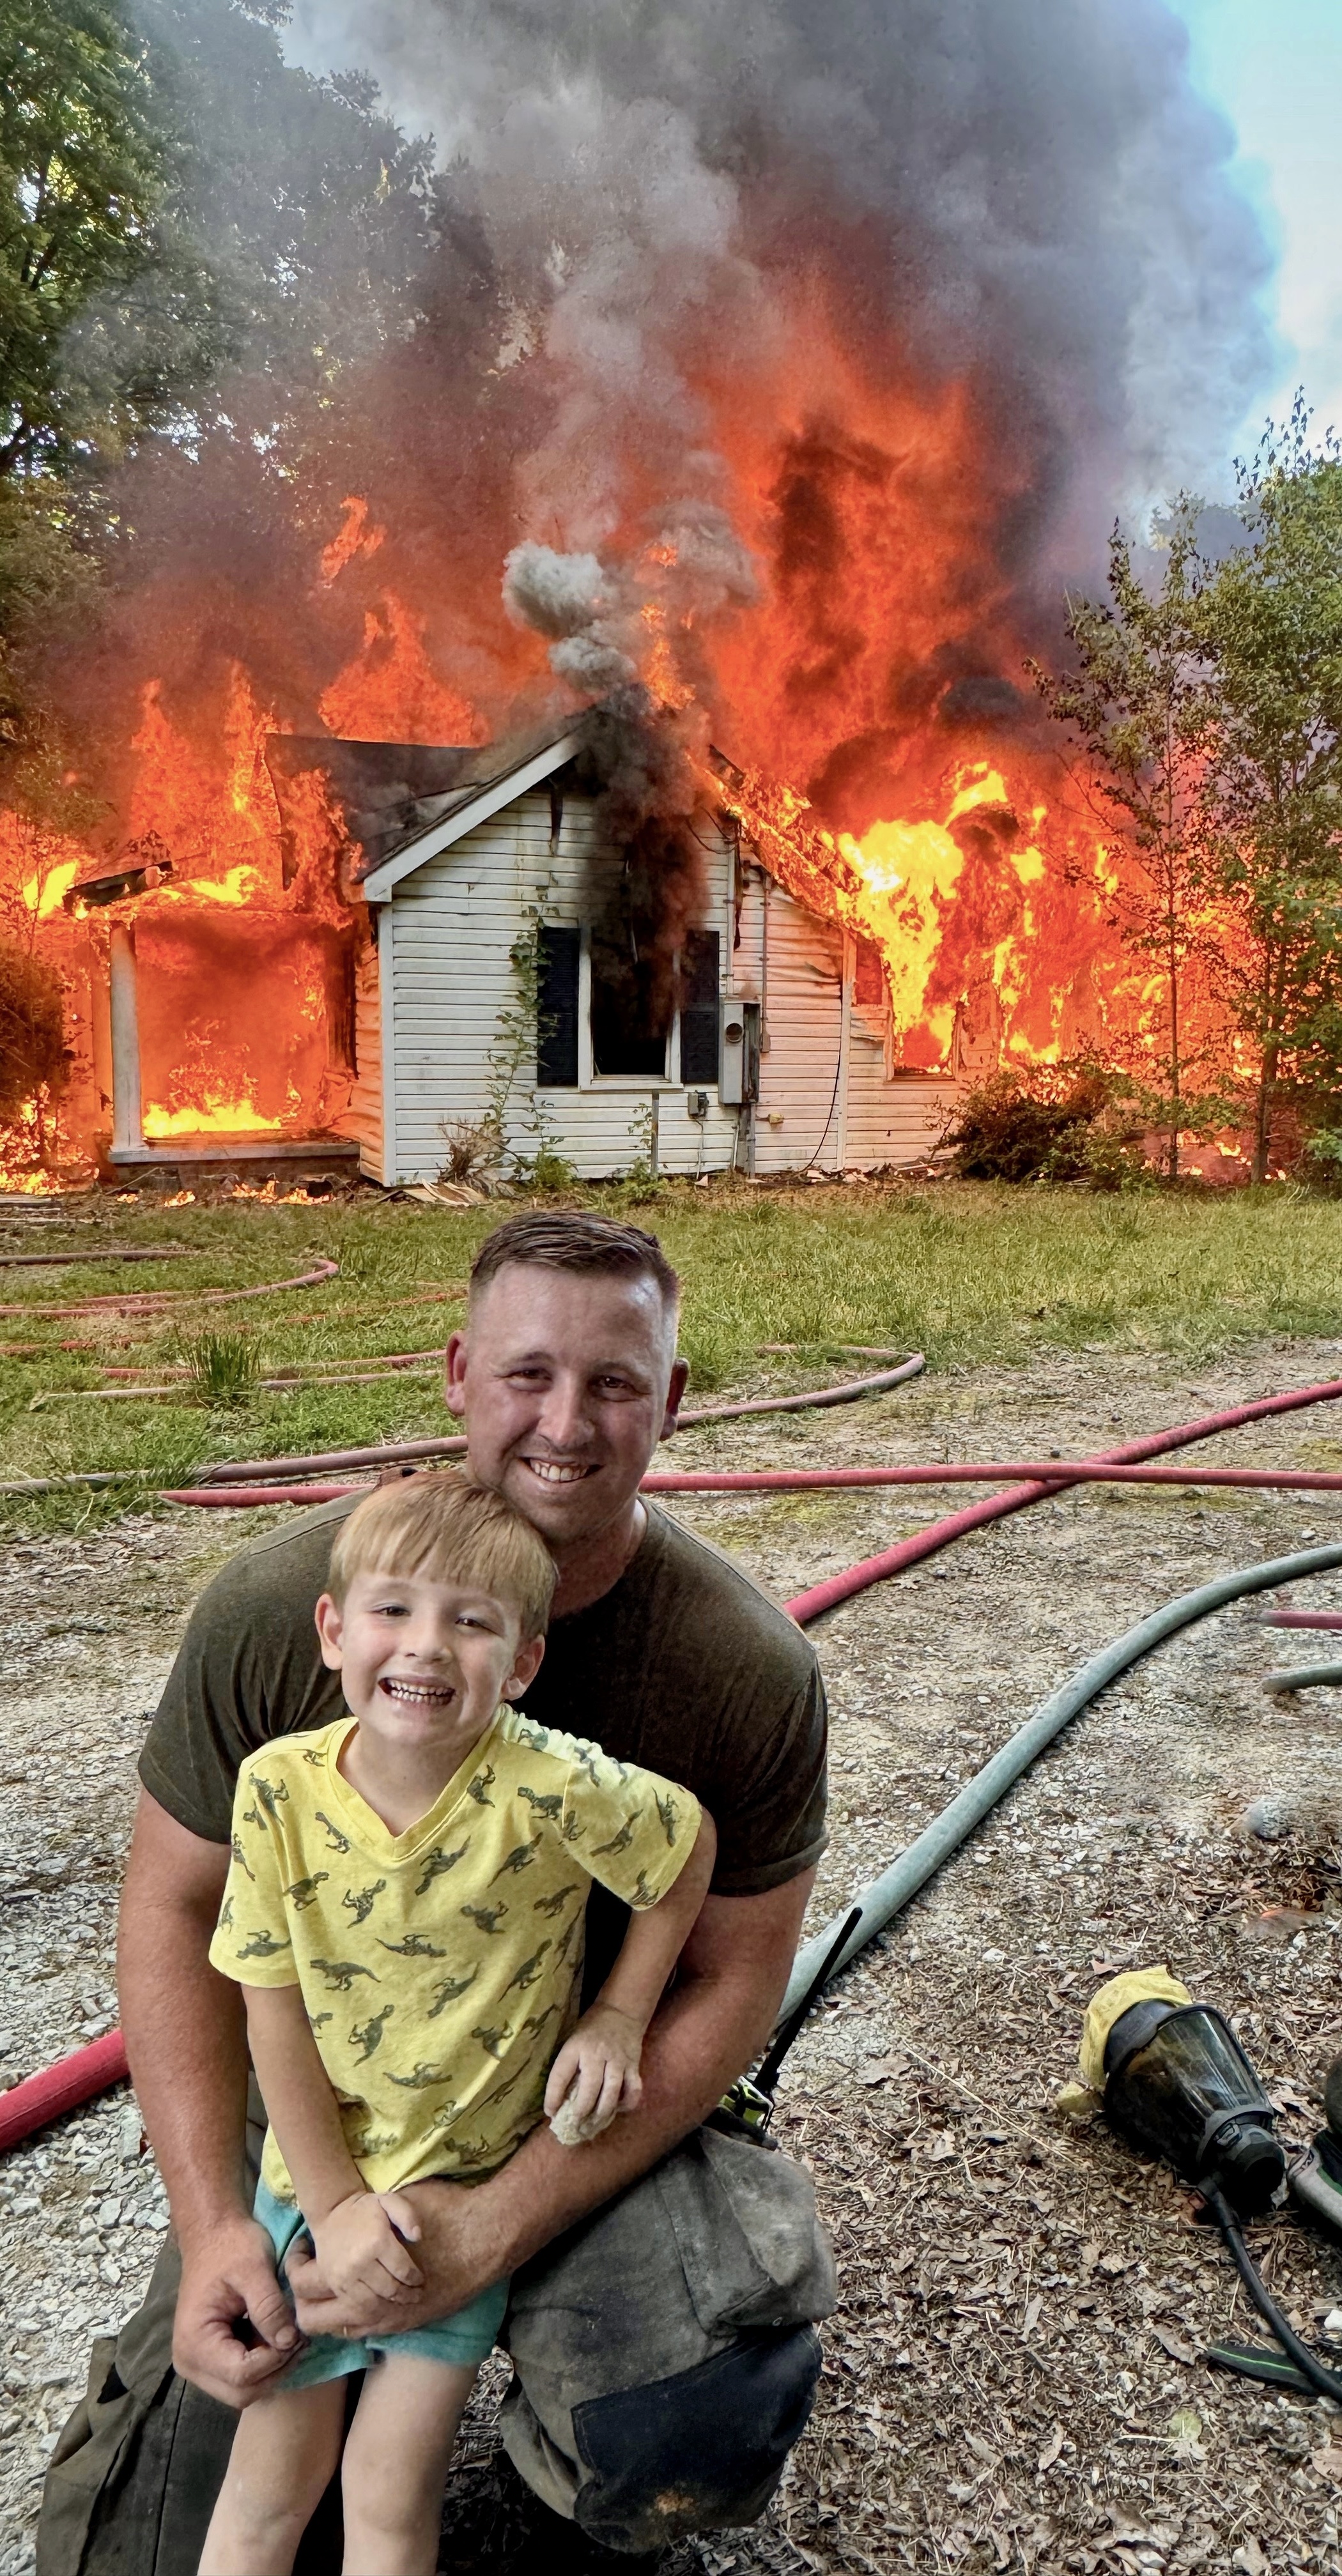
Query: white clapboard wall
point(433, 995)
point(363, 1117)
point(826, 1101)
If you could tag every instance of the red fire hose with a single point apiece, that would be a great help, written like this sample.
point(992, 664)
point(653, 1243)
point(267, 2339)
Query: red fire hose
point(239, 1498)
point(938, 1534)
point(148, 1301)
point(393, 1453)
point(1058, 1475)
point(62, 2088)
point(91, 2070)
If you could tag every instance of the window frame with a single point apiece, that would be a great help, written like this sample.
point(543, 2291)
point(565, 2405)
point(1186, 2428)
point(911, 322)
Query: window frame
point(588, 1077)
point(589, 1080)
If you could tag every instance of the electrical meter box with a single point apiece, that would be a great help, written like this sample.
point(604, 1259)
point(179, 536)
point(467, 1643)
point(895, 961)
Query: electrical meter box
point(739, 1081)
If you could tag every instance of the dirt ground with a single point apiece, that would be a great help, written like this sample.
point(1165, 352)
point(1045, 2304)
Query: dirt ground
point(1013, 2378)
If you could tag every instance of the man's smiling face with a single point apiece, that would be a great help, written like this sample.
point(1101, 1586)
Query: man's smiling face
point(565, 1379)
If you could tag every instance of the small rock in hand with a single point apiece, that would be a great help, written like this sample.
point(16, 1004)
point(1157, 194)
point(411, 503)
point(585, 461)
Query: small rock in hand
point(569, 2128)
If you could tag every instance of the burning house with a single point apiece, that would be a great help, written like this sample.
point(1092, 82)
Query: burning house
point(504, 969)
point(785, 382)
point(523, 974)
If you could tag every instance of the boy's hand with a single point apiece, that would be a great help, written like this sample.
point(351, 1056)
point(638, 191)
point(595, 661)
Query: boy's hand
point(359, 2245)
point(595, 2075)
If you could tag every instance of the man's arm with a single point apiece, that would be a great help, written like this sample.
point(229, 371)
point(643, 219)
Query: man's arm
point(185, 2038)
point(733, 1974)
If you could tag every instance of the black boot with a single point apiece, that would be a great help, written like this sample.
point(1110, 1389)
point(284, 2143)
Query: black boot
point(494, 2526)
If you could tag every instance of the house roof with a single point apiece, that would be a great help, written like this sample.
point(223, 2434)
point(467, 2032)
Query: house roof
point(391, 794)
point(499, 773)
point(407, 803)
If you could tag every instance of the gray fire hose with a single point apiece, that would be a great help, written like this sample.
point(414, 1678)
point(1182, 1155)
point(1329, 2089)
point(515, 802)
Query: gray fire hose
point(892, 1891)
point(1305, 1677)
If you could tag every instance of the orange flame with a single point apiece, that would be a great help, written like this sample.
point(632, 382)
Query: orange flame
point(391, 692)
point(354, 537)
point(874, 505)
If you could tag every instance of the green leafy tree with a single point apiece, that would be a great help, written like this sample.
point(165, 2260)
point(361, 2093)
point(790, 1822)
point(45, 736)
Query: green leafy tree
point(318, 212)
point(1141, 704)
point(1272, 616)
point(188, 431)
point(105, 316)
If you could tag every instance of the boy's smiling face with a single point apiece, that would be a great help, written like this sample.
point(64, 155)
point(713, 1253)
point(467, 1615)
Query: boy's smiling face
point(424, 1664)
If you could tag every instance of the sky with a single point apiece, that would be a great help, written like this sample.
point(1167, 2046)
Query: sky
point(1275, 68)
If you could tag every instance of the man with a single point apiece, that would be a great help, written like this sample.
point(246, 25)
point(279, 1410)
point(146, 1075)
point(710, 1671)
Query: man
point(661, 1651)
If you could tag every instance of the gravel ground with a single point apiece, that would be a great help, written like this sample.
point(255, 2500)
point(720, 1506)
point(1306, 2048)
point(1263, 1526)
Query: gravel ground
point(1013, 2377)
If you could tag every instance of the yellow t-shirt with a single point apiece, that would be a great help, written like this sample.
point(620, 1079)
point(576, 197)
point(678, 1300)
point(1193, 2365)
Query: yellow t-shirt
point(438, 1967)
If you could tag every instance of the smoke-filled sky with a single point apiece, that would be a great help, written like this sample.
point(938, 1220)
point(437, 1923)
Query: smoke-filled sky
point(1277, 72)
point(1036, 182)
point(838, 335)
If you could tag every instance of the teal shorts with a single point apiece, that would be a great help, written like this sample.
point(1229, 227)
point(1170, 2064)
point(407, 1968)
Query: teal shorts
point(461, 2339)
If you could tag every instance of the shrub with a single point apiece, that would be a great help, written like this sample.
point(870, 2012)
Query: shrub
point(474, 1150)
point(1320, 1162)
point(33, 1053)
point(1030, 1125)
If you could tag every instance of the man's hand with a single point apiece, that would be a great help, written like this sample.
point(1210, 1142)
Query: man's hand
point(360, 2251)
point(453, 2269)
point(227, 2277)
point(184, 2036)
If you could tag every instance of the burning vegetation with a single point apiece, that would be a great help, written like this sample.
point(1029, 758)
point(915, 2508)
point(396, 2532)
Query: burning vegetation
point(753, 388)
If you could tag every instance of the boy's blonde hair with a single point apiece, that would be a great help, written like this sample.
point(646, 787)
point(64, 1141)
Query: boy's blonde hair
point(449, 1530)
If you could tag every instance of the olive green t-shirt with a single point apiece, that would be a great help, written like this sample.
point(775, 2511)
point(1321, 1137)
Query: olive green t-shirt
point(685, 1666)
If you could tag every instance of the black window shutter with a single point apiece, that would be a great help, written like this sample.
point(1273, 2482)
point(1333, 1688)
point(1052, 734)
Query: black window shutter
point(699, 1006)
point(556, 1009)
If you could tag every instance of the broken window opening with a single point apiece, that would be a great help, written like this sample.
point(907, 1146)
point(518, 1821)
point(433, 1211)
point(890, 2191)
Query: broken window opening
point(633, 1006)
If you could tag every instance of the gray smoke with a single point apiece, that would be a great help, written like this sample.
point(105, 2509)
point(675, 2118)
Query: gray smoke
point(1034, 179)
point(604, 624)
point(1024, 198)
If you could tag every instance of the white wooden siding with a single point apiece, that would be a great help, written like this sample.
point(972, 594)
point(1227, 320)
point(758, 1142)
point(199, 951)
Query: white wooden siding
point(446, 986)
point(450, 985)
point(889, 1118)
point(814, 1109)
point(363, 1117)
point(794, 1126)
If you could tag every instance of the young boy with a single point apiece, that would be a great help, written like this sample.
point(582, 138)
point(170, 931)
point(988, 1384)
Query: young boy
point(405, 1912)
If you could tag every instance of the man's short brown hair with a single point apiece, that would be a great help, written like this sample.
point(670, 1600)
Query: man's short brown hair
point(449, 1530)
point(574, 1240)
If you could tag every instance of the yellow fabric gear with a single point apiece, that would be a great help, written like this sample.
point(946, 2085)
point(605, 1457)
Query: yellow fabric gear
point(1135, 1986)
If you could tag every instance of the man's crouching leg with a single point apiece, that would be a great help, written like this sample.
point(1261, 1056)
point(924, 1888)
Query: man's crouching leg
point(665, 2352)
point(702, 2450)
point(132, 2482)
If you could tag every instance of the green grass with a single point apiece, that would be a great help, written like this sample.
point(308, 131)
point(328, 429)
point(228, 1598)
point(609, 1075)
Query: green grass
point(224, 1367)
point(967, 1274)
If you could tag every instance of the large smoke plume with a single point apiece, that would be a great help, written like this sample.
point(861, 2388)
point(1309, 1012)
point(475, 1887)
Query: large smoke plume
point(763, 252)
point(787, 356)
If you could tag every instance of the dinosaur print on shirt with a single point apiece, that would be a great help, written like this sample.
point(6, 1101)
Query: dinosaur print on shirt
point(438, 1966)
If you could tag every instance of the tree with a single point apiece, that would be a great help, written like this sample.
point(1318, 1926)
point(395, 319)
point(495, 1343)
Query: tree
point(318, 212)
point(105, 317)
point(1142, 704)
point(1272, 616)
point(191, 426)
